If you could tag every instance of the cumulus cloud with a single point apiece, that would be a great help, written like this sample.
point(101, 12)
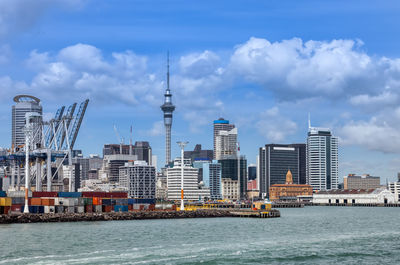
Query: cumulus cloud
point(275, 127)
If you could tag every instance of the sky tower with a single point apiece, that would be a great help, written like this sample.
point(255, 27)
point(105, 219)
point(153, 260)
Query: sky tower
point(167, 108)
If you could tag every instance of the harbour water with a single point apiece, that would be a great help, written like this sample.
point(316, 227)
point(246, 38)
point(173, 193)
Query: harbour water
point(310, 235)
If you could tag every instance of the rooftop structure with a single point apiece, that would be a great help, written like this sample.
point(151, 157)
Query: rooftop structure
point(371, 196)
point(168, 108)
point(353, 182)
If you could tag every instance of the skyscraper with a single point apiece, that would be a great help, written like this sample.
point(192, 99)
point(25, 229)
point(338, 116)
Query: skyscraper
point(24, 104)
point(276, 160)
point(322, 159)
point(167, 108)
point(222, 125)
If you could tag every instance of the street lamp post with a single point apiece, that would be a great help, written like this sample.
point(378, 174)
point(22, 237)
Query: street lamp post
point(182, 146)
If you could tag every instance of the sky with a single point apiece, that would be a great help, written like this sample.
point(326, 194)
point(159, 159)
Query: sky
point(262, 65)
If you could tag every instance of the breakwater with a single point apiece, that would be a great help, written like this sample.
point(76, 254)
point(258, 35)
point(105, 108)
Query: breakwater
point(139, 215)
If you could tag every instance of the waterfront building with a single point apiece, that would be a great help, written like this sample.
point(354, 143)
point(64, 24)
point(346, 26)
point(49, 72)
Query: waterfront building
point(161, 187)
point(394, 188)
point(168, 108)
point(252, 189)
point(199, 154)
point(111, 165)
point(139, 179)
point(229, 177)
point(371, 196)
point(322, 159)
point(192, 190)
point(226, 144)
point(222, 125)
point(289, 191)
point(23, 105)
point(366, 182)
point(275, 160)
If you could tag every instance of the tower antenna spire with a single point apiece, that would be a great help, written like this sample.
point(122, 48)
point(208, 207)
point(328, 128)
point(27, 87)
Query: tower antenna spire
point(168, 70)
point(309, 121)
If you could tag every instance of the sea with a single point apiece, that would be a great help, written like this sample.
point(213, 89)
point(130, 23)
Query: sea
point(310, 235)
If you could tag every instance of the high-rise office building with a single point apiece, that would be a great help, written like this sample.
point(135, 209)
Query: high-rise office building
point(322, 159)
point(212, 179)
point(168, 108)
point(275, 160)
point(192, 190)
point(222, 125)
point(199, 154)
point(141, 149)
point(112, 163)
point(229, 177)
point(252, 172)
point(139, 179)
point(23, 105)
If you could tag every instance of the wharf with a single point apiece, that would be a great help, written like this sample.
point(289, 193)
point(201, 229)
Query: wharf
point(137, 215)
point(257, 214)
point(287, 205)
point(358, 204)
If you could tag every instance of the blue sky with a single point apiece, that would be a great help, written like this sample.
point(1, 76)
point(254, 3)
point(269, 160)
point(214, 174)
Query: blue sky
point(264, 65)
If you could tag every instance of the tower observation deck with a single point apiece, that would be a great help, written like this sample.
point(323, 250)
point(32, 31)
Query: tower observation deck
point(167, 108)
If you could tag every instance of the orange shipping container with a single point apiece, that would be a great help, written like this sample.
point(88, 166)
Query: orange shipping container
point(97, 201)
point(130, 207)
point(47, 202)
point(36, 201)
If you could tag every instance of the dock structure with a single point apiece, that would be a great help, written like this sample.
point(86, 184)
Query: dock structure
point(287, 205)
point(358, 204)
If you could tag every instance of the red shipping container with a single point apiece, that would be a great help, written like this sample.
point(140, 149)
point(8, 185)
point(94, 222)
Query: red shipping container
point(130, 207)
point(36, 201)
point(152, 207)
point(107, 208)
point(90, 194)
point(39, 194)
point(97, 201)
point(141, 207)
point(88, 208)
point(16, 208)
point(7, 209)
point(47, 202)
point(116, 195)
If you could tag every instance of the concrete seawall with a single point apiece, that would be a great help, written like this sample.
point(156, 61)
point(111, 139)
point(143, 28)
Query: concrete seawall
point(82, 217)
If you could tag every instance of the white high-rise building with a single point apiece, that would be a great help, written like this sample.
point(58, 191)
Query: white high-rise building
point(220, 125)
point(139, 179)
point(226, 144)
point(192, 191)
point(322, 159)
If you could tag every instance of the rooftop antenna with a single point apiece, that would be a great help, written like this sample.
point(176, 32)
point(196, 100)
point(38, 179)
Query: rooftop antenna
point(168, 70)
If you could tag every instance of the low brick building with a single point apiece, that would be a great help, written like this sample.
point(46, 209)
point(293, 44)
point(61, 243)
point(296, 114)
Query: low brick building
point(289, 191)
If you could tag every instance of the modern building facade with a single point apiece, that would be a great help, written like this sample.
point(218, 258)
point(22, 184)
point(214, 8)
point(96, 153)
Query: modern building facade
point(322, 159)
point(141, 149)
point(199, 154)
point(372, 196)
point(192, 190)
point(222, 125)
point(23, 105)
point(212, 179)
point(230, 174)
point(365, 182)
point(226, 144)
point(274, 162)
point(112, 163)
point(168, 108)
point(252, 172)
point(139, 179)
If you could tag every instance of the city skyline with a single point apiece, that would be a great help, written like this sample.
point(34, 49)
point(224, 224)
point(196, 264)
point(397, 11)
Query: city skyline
point(124, 76)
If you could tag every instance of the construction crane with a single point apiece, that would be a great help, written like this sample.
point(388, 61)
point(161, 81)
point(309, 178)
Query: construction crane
point(119, 139)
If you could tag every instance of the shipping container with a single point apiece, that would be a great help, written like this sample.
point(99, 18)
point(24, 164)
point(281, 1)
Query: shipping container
point(79, 209)
point(121, 194)
point(121, 201)
point(88, 201)
point(106, 208)
point(59, 209)
point(70, 194)
point(152, 207)
point(120, 208)
point(97, 201)
point(142, 201)
point(98, 208)
point(36, 201)
point(106, 201)
point(3, 193)
point(6, 209)
point(32, 209)
point(5, 201)
point(40, 209)
point(16, 208)
point(49, 209)
point(39, 194)
point(18, 200)
point(130, 207)
point(80, 202)
point(48, 201)
point(88, 208)
point(69, 209)
point(91, 194)
point(19, 193)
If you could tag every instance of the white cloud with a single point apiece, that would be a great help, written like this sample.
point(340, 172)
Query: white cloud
point(5, 53)
point(157, 129)
point(275, 127)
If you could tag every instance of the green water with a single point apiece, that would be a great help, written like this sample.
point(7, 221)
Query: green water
point(312, 235)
